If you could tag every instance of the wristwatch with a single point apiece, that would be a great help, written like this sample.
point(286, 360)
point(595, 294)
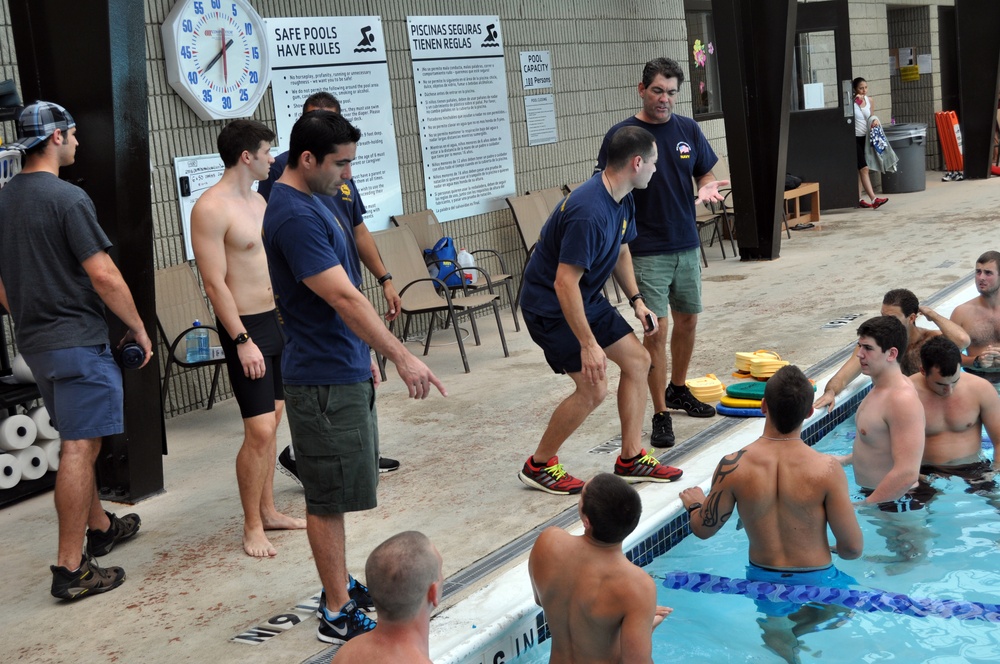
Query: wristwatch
point(241, 338)
point(384, 278)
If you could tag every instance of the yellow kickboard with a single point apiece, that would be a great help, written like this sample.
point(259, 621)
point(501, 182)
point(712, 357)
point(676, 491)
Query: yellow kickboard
point(733, 402)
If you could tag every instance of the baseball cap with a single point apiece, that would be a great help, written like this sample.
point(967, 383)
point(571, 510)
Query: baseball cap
point(37, 122)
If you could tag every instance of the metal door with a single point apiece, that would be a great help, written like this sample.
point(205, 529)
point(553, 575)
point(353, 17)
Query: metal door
point(821, 145)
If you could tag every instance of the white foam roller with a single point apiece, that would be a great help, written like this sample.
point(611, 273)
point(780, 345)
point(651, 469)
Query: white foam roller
point(21, 371)
point(17, 432)
point(51, 449)
point(43, 423)
point(33, 462)
point(10, 471)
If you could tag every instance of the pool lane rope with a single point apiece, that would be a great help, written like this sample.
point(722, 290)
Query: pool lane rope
point(859, 600)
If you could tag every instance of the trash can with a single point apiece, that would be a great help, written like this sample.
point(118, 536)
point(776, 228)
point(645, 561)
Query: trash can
point(907, 141)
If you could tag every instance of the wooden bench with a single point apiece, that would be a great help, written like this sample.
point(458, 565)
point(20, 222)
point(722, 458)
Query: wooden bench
point(810, 189)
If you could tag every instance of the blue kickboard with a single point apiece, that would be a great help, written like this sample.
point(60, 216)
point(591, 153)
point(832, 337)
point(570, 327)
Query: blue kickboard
point(739, 412)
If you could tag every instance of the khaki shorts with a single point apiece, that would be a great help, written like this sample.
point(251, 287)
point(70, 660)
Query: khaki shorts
point(335, 434)
point(670, 279)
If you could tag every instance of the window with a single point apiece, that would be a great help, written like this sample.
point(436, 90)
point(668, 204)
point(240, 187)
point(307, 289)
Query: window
point(814, 71)
point(703, 62)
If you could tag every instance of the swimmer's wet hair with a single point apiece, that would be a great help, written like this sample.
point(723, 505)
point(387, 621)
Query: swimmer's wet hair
point(941, 352)
point(990, 257)
point(887, 332)
point(613, 507)
point(789, 397)
point(904, 299)
point(241, 136)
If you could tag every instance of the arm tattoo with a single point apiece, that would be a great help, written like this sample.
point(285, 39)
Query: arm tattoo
point(710, 516)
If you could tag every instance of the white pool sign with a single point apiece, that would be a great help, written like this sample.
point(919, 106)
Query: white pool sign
point(536, 70)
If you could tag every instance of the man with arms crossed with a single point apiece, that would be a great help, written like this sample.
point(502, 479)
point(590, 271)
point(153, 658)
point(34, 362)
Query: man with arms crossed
point(890, 420)
point(956, 407)
point(786, 493)
point(904, 306)
point(329, 374)
point(347, 207)
point(600, 606)
point(980, 317)
point(406, 583)
point(225, 233)
point(583, 241)
point(666, 249)
point(56, 278)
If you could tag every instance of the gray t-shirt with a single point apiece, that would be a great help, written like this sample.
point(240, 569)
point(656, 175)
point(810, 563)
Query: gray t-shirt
point(48, 227)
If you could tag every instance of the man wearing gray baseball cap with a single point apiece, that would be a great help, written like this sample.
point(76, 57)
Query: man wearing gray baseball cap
point(56, 278)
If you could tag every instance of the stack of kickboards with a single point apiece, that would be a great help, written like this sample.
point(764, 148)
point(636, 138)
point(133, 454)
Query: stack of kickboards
point(743, 399)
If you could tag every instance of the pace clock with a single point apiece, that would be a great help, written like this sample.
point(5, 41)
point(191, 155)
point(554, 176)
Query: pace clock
point(216, 55)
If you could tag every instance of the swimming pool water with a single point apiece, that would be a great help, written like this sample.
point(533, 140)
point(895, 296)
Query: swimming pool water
point(948, 550)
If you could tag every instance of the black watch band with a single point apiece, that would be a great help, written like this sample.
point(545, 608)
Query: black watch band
point(384, 278)
point(637, 296)
point(241, 338)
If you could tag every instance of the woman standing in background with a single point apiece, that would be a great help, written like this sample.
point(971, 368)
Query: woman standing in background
point(862, 118)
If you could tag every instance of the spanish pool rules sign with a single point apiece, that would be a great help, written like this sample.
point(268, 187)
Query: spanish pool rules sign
point(536, 70)
point(461, 89)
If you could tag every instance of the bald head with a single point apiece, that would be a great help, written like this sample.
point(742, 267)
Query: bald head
point(399, 573)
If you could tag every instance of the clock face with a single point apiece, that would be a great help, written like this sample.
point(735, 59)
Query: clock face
point(216, 56)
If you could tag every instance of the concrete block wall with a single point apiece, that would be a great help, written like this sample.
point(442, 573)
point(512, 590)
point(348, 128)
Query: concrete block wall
point(913, 100)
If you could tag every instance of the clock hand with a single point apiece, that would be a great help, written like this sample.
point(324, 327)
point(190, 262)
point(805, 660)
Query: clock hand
point(225, 68)
point(216, 58)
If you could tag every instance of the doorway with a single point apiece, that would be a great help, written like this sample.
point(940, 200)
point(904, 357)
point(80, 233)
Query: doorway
point(821, 146)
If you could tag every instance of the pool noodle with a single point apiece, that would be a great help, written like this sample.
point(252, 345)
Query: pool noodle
point(860, 600)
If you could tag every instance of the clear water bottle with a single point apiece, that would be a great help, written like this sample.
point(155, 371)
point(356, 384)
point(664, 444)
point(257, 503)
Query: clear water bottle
point(196, 344)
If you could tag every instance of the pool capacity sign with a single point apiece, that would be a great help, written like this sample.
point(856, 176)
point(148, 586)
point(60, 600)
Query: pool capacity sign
point(461, 89)
point(346, 57)
point(536, 70)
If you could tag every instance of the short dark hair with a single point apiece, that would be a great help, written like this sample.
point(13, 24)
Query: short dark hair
point(789, 397)
point(321, 100)
point(629, 142)
point(319, 132)
point(856, 82)
point(661, 66)
point(941, 352)
point(241, 136)
point(399, 572)
point(904, 299)
point(990, 257)
point(38, 148)
point(887, 332)
point(613, 507)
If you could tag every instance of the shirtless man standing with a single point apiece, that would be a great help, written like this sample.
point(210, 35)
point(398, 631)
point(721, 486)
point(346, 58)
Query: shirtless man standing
point(956, 408)
point(904, 306)
point(786, 493)
point(600, 606)
point(980, 317)
point(225, 233)
point(890, 420)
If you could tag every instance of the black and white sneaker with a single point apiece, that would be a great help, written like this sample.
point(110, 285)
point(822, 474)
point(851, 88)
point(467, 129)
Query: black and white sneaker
point(663, 430)
point(680, 398)
point(387, 465)
point(339, 628)
point(356, 591)
point(286, 465)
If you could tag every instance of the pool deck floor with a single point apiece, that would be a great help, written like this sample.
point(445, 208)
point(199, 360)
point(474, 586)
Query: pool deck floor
point(190, 588)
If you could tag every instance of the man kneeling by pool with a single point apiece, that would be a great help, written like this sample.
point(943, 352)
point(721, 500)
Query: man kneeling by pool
point(786, 493)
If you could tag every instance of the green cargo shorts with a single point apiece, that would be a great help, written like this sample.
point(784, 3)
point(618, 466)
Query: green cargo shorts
point(335, 434)
point(673, 279)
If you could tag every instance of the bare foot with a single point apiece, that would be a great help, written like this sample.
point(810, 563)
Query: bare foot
point(257, 545)
point(279, 521)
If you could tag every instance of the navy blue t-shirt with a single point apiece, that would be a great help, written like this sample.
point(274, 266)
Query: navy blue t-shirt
point(302, 238)
point(587, 229)
point(665, 211)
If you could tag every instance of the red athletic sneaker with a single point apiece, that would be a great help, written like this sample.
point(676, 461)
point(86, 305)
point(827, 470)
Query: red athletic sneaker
point(879, 202)
point(646, 468)
point(864, 204)
point(550, 478)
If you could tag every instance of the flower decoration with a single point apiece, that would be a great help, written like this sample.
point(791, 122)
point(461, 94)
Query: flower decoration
point(700, 56)
point(711, 48)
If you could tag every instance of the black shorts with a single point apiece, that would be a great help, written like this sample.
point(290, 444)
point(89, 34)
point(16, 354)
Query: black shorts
point(978, 475)
point(861, 141)
point(256, 397)
point(562, 349)
point(911, 501)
